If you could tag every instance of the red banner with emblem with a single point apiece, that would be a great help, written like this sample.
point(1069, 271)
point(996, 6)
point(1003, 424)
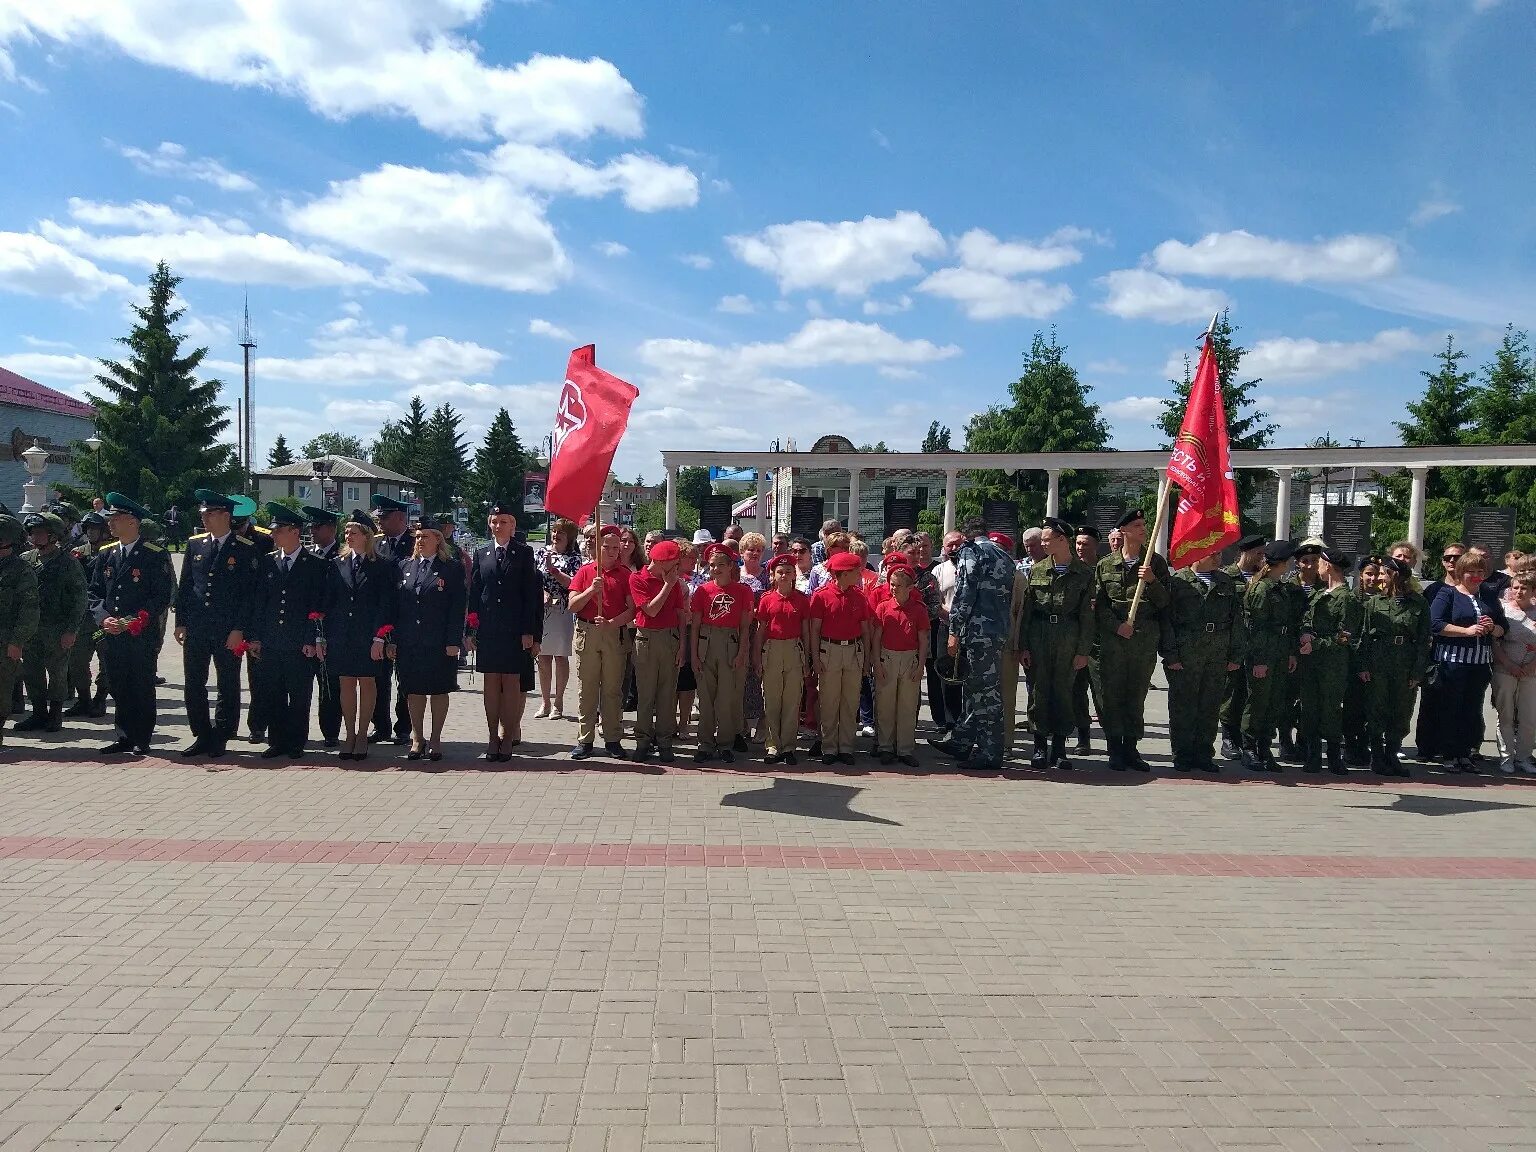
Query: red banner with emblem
point(1201, 465)
point(589, 422)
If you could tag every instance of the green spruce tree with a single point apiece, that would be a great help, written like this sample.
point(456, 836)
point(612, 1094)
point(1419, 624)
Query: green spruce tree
point(444, 462)
point(160, 425)
point(280, 454)
point(1049, 412)
point(936, 439)
point(497, 473)
point(1504, 412)
point(401, 444)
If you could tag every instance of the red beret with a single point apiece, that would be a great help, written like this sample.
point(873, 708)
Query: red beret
point(609, 530)
point(781, 558)
point(844, 562)
point(664, 550)
point(714, 550)
point(892, 569)
point(1002, 540)
point(896, 558)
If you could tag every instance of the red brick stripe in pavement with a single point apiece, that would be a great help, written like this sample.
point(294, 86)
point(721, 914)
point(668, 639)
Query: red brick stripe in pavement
point(807, 857)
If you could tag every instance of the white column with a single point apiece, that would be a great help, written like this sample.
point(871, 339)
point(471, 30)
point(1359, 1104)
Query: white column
point(951, 483)
point(1053, 491)
point(671, 496)
point(763, 526)
point(853, 500)
point(1416, 511)
point(1283, 504)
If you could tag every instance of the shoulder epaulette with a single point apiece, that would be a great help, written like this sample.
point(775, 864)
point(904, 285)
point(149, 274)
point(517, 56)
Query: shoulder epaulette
point(154, 547)
point(246, 540)
point(378, 535)
point(200, 536)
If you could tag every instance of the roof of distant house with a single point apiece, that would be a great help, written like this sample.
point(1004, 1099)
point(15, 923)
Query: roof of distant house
point(342, 468)
point(23, 393)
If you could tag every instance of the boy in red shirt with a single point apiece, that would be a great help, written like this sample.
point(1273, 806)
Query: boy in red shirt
point(600, 599)
point(840, 650)
point(722, 615)
point(783, 639)
point(660, 596)
point(901, 625)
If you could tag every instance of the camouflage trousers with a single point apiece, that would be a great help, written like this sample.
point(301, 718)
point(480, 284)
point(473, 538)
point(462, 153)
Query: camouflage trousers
point(981, 709)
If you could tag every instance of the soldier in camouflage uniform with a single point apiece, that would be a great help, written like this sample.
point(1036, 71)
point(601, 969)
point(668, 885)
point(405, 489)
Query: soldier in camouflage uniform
point(1303, 585)
point(1122, 672)
point(1209, 643)
point(1055, 640)
point(1270, 622)
point(978, 624)
point(18, 609)
point(1330, 634)
point(1394, 657)
point(1250, 558)
point(1086, 548)
point(93, 526)
point(1357, 748)
point(61, 607)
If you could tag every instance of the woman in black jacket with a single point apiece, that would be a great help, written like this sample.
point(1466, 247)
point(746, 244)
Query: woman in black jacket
point(429, 630)
point(506, 622)
point(359, 606)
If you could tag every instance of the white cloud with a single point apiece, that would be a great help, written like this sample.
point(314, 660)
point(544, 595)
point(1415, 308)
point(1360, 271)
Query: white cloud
point(736, 305)
point(171, 159)
point(553, 331)
point(1341, 259)
point(889, 307)
point(645, 183)
point(1431, 210)
point(1141, 294)
point(74, 372)
point(199, 246)
point(611, 248)
point(820, 343)
point(37, 266)
point(698, 261)
point(988, 296)
point(389, 57)
point(981, 250)
point(849, 256)
point(348, 353)
point(478, 229)
point(1134, 409)
point(1288, 357)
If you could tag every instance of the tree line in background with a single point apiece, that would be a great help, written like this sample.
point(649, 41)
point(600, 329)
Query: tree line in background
point(161, 432)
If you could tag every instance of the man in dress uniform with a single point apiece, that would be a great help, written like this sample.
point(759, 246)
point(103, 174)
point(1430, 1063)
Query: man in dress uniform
point(978, 625)
point(1086, 547)
point(1055, 639)
point(1250, 558)
point(1302, 586)
point(130, 589)
point(18, 609)
point(393, 543)
point(289, 593)
point(325, 544)
point(61, 606)
point(213, 612)
point(245, 525)
point(1128, 653)
point(1209, 644)
point(94, 536)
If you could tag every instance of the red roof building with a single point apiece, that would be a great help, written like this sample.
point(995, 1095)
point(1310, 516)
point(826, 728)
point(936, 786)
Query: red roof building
point(24, 393)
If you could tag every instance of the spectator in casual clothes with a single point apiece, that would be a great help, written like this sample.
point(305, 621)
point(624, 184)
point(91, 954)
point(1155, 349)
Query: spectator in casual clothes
point(1514, 677)
point(1465, 627)
point(1430, 724)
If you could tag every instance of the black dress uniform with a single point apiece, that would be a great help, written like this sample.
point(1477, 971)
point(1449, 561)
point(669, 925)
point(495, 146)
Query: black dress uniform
point(127, 580)
point(87, 704)
point(245, 509)
point(214, 599)
point(395, 549)
point(429, 618)
point(330, 694)
point(289, 590)
point(507, 594)
point(360, 599)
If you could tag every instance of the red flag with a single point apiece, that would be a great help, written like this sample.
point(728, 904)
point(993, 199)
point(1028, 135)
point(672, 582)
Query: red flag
point(591, 417)
point(1201, 466)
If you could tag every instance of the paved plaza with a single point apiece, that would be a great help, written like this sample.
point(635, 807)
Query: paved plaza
point(607, 957)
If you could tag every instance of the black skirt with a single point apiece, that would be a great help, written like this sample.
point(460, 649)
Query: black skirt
point(426, 671)
point(503, 656)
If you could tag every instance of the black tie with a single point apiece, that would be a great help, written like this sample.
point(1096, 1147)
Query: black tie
point(501, 555)
point(354, 568)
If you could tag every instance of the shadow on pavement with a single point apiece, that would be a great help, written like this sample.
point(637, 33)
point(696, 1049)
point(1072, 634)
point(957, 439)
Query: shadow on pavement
point(815, 799)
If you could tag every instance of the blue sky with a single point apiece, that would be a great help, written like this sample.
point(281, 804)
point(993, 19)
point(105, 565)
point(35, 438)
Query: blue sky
point(780, 220)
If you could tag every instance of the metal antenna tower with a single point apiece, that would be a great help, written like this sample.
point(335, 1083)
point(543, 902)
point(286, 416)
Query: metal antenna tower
point(247, 409)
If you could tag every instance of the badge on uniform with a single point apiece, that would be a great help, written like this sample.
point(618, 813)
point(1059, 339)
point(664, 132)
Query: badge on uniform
point(440, 584)
point(135, 575)
point(231, 561)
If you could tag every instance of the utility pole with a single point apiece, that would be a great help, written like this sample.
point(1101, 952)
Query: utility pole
point(247, 409)
point(1353, 471)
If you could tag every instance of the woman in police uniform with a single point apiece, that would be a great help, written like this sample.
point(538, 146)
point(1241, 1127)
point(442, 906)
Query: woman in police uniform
point(429, 630)
point(506, 605)
point(360, 604)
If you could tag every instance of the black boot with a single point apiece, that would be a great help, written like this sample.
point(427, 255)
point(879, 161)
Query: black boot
point(1336, 763)
point(1231, 747)
point(1133, 758)
point(1059, 753)
point(99, 703)
point(1379, 757)
point(1287, 748)
point(1116, 753)
point(1312, 755)
point(1395, 761)
point(1084, 746)
point(35, 722)
point(81, 706)
point(54, 722)
point(1250, 756)
point(1041, 757)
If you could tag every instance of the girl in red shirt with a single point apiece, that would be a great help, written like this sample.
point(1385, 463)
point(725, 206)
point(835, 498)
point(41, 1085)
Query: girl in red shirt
point(901, 628)
point(783, 642)
point(721, 617)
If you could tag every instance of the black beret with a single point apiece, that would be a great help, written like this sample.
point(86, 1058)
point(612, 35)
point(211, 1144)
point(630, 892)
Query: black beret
point(504, 508)
point(1279, 552)
point(1401, 567)
point(1338, 558)
point(1249, 543)
point(1057, 525)
point(1135, 515)
point(1088, 530)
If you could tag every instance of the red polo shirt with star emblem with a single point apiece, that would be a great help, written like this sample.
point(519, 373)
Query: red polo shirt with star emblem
point(717, 607)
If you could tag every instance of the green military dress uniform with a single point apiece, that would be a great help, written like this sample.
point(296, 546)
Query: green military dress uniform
point(1056, 628)
point(1290, 717)
point(18, 610)
point(1122, 671)
point(62, 602)
point(1394, 649)
point(1333, 620)
point(1208, 634)
point(1269, 618)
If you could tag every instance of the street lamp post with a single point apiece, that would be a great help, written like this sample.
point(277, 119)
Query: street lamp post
point(322, 469)
point(94, 442)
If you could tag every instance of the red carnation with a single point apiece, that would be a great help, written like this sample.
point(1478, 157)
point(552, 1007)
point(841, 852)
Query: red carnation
point(317, 616)
point(473, 620)
point(384, 632)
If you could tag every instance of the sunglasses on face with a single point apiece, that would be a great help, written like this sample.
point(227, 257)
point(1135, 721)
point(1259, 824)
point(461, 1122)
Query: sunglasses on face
point(1451, 559)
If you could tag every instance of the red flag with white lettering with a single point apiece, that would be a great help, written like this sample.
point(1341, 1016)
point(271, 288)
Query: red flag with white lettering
point(1201, 466)
point(589, 421)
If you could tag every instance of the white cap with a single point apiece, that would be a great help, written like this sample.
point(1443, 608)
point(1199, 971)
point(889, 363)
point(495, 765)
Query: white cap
point(703, 536)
